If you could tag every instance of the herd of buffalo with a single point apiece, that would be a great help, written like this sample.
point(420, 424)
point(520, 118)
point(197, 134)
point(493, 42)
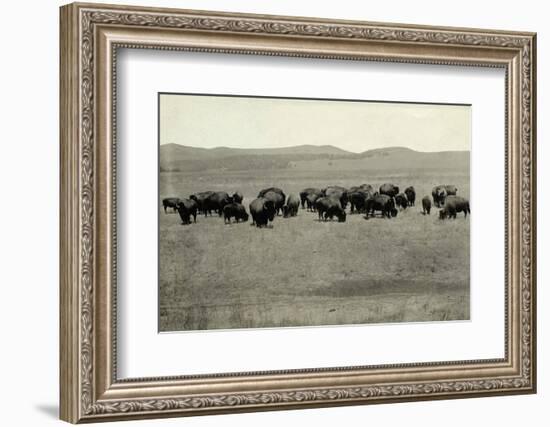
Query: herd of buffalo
point(329, 203)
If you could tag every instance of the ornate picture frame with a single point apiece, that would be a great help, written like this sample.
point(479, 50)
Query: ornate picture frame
point(90, 37)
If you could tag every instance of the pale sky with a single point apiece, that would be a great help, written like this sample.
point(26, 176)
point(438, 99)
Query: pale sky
point(237, 122)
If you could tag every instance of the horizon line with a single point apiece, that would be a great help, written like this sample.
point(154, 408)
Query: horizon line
point(311, 145)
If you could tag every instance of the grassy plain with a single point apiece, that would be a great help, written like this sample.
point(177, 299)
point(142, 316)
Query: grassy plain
point(303, 272)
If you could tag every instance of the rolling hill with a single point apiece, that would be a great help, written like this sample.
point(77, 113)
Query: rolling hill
point(180, 158)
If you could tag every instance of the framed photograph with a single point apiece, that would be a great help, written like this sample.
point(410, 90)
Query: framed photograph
point(266, 212)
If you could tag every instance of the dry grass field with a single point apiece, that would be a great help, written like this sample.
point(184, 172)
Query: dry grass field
point(303, 272)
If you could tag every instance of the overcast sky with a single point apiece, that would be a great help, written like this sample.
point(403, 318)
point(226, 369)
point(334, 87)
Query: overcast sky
point(237, 122)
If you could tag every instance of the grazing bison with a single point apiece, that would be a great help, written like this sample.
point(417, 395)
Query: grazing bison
point(291, 206)
point(278, 200)
point(200, 199)
point(454, 204)
point(401, 200)
point(305, 192)
point(358, 200)
point(367, 187)
point(411, 195)
point(383, 203)
point(234, 210)
point(262, 211)
point(389, 190)
point(311, 199)
point(440, 193)
point(186, 209)
point(329, 207)
point(215, 202)
point(275, 190)
point(426, 205)
point(237, 197)
point(170, 202)
point(339, 193)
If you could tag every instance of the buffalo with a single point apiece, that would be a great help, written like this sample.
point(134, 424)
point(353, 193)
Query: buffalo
point(389, 190)
point(339, 193)
point(358, 200)
point(291, 206)
point(440, 193)
point(329, 207)
point(367, 187)
point(278, 200)
point(311, 198)
point(234, 210)
point(237, 197)
point(262, 211)
point(200, 199)
point(170, 202)
point(187, 208)
point(215, 202)
point(401, 200)
point(307, 191)
point(454, 204)
point(426, 205)
point(411, 195)
point(383, 203)
point(273, 189)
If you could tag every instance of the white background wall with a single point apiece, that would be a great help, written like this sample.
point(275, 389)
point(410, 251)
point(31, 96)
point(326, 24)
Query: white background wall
point(29, 173)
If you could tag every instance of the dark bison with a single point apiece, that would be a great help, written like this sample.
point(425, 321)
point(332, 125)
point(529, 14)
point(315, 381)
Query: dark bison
point(215, 202)
point(200, 199)
point(454, 204)
point(367, 187)
point(328, 208)
point(382, 203)
point(291, 206)
point(411, 195)
point(311, 199)
point(440, 193)
point(278, 200)
point(363, 187)
point(262, 211)
point(305, 192)
point(234, 210)
point(401, 200)
point(389, 190)
point(426, 205)
point(275, 190)
point(186, 209)
point(237, 197)
point(339, 193)
point(170, 202)
point(358, 199)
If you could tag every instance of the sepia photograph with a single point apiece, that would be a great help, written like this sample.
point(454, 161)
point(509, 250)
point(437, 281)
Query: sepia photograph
point(297, 212)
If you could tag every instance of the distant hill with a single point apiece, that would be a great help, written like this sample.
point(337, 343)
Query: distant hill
point(395, 159)
point(181, 151)
point(175, 157)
